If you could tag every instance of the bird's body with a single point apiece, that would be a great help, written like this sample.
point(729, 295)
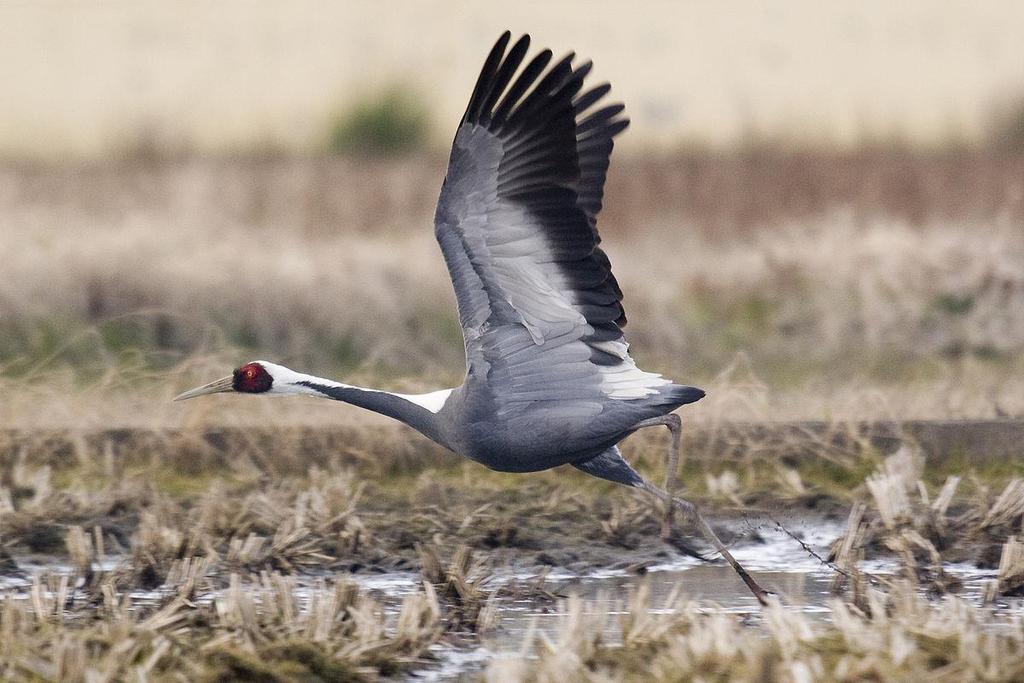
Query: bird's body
point(526, 436)
point(549, 379)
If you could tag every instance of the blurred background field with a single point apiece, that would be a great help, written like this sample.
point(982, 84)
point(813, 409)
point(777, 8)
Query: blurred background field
point(91, 78)
point(817, 212)
point(810, 285)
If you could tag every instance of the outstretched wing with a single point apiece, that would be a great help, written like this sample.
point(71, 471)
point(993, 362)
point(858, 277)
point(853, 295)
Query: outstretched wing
point(541, 312)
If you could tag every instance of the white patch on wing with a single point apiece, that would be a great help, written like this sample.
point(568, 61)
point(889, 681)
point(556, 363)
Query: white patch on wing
point(617, 348)
point(432, 401)
point(626, 381)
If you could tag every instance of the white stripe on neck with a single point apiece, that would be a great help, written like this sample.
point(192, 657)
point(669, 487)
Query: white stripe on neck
point(287, 381)
point(432, 401)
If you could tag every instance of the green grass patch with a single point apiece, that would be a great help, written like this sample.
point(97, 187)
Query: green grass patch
point(392, 122)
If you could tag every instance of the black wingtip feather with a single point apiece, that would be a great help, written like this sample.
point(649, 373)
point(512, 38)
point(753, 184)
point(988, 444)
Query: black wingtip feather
point(549, 88)
point(526, 78)
point(590, 97)
point(484, 80)
point(504, 75)
point(584, 69)
point(598, 118)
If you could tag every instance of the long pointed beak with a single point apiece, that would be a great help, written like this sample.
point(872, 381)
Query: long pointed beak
point(221, 385)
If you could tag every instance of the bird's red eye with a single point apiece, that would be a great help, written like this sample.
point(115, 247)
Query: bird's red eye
point(252, 378)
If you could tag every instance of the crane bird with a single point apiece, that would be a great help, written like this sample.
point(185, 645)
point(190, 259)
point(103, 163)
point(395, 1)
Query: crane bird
point(549, 379)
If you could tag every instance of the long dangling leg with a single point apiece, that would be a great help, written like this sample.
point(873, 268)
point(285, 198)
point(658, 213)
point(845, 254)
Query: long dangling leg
point(690, 510)
point(675, 428)
point(611, 466)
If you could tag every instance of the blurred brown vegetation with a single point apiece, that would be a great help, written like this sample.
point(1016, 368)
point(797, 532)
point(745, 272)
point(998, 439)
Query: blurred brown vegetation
point(807, 270)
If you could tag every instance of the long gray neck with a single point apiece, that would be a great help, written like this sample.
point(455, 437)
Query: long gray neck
point(385, 403)
point(412, 410)
point(419, 411)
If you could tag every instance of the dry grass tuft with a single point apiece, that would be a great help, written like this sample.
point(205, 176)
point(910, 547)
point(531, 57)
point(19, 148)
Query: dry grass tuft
point(927, 532)
point(261, 630)
point(461, 588)
point(900, 636)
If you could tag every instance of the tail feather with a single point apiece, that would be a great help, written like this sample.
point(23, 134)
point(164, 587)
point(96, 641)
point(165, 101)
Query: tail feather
point(687, 394)
point(678, 395)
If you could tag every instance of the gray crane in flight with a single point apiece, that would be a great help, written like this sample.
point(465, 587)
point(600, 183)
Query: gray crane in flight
point(549, 380)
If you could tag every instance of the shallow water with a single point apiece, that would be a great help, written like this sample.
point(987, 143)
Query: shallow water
point(779, 563)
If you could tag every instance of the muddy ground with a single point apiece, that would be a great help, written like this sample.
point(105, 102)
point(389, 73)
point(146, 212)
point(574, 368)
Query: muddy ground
point(404, 559)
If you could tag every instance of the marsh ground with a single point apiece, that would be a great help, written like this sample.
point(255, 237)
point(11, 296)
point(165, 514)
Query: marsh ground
point(233, 537)
point(295, 555)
